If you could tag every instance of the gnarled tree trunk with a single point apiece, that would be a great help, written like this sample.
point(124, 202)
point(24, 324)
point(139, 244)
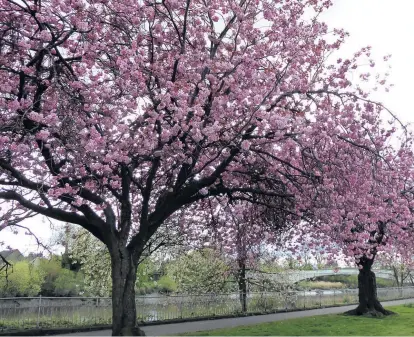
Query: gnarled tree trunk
point(124, 274)
point(369, 305)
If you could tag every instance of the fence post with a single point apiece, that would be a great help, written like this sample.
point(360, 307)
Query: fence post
point(320, 299)
point(97, 310)
point(334, 298)
point(304, 299)
point(181, 306)
point(38, 312)
point(286, 300)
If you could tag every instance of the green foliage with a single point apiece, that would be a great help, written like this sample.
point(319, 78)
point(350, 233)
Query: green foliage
point(384, 283)
point(145, 273)
point(145, 283)
point(306, 266)
point(93, 257)
point(270, 267)
point(59, 281)
point(41, 277)
point(292, 263)
point(68, 283)
point(166, 285)
point(351, 281)
point(320, 285)
point(69, 263)
point(25, 280)
point(50, 270)
point(201, 271)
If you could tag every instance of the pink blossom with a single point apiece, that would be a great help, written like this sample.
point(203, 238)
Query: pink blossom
point(43, 135)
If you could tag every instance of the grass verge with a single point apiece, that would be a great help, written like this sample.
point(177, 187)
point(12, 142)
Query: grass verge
point(328, 325)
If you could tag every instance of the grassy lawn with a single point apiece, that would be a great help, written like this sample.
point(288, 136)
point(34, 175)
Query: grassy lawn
point(328, 325)
point(321, 285)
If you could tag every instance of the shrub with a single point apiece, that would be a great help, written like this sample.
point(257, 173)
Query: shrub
point(166, 285)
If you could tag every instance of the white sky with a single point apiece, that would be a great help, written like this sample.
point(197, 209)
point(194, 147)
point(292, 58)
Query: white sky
point(386, 25)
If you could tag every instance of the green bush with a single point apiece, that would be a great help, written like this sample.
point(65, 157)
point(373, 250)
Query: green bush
point(24, 280)
point(166, 285)
point(67, 283)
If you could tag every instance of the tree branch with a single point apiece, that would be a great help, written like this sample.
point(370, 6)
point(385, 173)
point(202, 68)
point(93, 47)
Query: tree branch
point(57, 214)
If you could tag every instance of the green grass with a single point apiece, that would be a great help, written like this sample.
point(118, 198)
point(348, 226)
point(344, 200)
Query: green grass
point(321, 285)
point(328, 325)
point(347, 281)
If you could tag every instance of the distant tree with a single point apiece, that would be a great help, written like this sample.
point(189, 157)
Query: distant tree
point(401, 263)
point(201, 271)
point(50, 269)
point(68, 283)
point(26, 280)
point(321, 260)
point(245, 231)
point(166, 284)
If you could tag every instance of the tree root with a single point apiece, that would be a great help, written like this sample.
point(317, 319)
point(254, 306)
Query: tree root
point(376, 312)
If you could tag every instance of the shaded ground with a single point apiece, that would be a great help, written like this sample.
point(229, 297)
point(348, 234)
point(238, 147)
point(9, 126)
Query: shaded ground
point(192, 327)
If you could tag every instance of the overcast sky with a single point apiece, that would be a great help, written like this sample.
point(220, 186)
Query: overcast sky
point(386, 25)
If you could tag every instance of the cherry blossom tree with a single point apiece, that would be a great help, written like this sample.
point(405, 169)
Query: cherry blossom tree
point(380, 219)
point(116, 115)
point(363, 207)
point(243, 232)
point(400, 260)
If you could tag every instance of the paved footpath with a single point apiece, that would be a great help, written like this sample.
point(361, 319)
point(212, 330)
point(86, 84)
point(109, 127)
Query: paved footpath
point(188, 327)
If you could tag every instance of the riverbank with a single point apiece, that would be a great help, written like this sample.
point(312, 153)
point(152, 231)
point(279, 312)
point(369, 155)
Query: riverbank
point(47, 314)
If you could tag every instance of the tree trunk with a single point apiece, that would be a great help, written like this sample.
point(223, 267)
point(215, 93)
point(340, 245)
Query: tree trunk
point(396, 276)
point(124, 314)
point(242, 286)
point(369, 304)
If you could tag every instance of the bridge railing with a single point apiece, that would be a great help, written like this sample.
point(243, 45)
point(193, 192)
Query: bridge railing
point(49, 312)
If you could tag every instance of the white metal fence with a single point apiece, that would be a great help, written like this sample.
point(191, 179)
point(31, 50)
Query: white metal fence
point(58, 312)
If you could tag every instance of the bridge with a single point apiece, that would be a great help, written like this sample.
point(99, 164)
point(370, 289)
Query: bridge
point(294, 276)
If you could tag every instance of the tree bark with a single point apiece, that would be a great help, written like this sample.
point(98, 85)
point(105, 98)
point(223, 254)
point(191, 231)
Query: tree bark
point(124, 274)
point(241, 280)
point(369, 305)
point(396, 276)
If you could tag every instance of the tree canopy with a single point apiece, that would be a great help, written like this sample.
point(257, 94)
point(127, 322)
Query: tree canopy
point(119, 116)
